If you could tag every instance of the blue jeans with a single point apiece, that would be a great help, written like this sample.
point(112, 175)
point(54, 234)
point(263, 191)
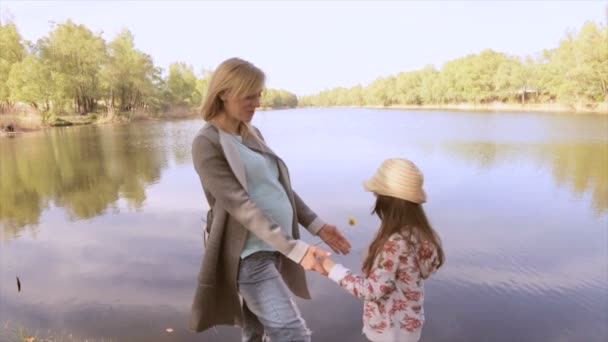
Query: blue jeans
point(268, 306)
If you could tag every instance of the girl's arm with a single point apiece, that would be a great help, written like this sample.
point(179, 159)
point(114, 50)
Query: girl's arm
point(381, 281)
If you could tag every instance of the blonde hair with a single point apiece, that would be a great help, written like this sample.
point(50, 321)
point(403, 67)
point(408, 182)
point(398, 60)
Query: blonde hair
point(233, 77)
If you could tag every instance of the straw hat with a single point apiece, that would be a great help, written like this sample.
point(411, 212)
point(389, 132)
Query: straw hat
point(398, 178)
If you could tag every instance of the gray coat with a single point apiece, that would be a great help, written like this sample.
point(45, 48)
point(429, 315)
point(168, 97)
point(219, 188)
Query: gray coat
point(222, 174)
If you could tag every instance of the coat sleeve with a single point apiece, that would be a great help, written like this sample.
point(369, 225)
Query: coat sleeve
point(218, 179)
point(306, 217)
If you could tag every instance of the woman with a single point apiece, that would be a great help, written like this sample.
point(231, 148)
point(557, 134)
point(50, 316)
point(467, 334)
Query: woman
point(253, 254)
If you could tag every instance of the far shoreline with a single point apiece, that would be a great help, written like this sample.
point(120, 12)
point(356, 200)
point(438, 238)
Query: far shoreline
point(32, 122)
point(494, 107)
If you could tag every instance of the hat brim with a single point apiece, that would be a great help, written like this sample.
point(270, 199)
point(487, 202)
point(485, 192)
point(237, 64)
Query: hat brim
point(371, 186)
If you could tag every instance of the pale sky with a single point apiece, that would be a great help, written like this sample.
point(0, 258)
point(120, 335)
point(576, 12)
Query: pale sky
point(307, 47)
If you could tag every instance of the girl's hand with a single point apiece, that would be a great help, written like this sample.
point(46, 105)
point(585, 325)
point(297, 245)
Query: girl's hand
point(328, 264)
point(314, 258)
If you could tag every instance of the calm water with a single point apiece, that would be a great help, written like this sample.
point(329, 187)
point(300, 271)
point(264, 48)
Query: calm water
point(103, 224)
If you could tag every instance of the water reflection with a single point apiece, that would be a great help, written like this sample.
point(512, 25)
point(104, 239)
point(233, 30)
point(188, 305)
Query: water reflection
point(84, 170)
point(87, 170)
point(581, 167)
point(522, 213)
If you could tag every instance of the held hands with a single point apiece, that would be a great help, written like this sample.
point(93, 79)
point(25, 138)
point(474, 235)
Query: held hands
point(314, 259)
point(317, 259)
point(334, 239)
point(328, 264)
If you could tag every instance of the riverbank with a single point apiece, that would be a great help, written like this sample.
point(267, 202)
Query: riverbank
point(21, 123)
point(24, 122)
point(601, 108)
point(30, 121)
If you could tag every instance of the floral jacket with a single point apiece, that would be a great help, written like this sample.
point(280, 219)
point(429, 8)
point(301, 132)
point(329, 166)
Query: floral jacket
point(393, 293)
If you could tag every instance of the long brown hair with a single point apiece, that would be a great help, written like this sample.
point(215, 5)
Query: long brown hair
point(396, 216)
point(236, 77)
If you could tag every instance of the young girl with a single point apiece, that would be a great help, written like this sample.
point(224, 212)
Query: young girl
point(405, 251)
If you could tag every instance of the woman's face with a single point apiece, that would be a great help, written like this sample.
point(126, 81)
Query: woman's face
point(242, 109)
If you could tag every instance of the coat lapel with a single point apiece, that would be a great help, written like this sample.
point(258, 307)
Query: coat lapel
point(235, 162)
point(233, 157)
point(253, 144)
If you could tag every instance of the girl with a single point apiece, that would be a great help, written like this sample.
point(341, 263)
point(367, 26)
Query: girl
point(405, 251)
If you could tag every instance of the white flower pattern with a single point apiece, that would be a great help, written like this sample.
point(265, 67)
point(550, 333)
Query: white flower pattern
point(393, 293)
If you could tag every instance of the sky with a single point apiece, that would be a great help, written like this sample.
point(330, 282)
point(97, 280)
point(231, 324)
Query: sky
point(308, 47)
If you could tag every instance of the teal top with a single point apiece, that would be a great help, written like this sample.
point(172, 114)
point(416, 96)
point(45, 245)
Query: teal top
point(265, 189)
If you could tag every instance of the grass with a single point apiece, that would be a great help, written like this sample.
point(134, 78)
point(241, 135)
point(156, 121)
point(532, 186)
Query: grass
point(26, 122)
point(19, 333)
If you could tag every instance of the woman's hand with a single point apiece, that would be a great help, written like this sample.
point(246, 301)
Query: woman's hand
point(334, 239)
point(313, 259)
point(328, 264)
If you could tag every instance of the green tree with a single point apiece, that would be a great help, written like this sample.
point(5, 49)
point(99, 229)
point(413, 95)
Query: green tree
point(128, 76)
point(30, 82)
point(12, 51)
point(75, 56)
point(430, 91)
point(273, 98)
point(408, 88)
point(580, 66)
point(202, 84)
point(181, 85)
point(381, 92)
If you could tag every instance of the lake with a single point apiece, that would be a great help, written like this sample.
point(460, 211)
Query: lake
point(102, 224)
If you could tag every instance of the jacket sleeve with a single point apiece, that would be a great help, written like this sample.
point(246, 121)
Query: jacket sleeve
point(381, 282)
point(306, 217)
point(218, 179)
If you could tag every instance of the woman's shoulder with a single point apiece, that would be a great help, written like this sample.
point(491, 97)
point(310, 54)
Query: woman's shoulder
point(207, 133)
point(209, 130)
point(257, 132)
point(206, 139)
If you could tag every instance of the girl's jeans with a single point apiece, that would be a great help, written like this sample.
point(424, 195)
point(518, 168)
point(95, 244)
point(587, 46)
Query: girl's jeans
point(268, 307)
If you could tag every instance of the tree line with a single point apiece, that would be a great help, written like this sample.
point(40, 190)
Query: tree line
point(74, 70)
point(575, 73)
